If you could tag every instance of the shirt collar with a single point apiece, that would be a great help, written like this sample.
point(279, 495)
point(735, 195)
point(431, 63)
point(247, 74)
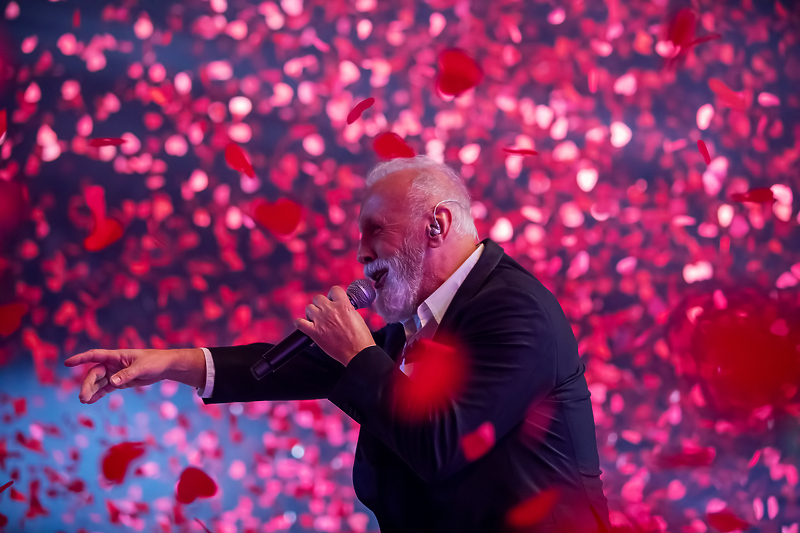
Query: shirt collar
point(435, 305)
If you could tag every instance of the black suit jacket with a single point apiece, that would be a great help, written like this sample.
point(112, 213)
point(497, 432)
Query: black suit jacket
point(526, 379)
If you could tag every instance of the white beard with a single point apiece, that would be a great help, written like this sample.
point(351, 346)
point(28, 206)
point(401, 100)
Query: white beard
point(397, 296)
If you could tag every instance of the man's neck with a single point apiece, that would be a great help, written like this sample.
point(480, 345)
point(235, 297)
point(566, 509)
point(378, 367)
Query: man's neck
point(451, 261)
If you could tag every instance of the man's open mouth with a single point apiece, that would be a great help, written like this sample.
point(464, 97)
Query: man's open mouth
point(380, 278)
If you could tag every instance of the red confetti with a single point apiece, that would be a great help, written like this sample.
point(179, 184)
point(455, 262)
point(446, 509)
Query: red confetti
point(20, 405)
point(726, 520)
point(31, 444)
point(477, 443)
point(11, 317)
point(281, 218)
point(193, 484)
point(4, 487)
point(390, 145)
point(436, 376)
point(593, 80)
point(3, 119)
point(681, 29)
point(35, 507)
point(118, 457)
point(85, 421)
point(3, 520)
point(705, 39)
point(106, 141)
point(758, 195)
point(76, 18)
point(458, 72)
point(533, 510)
point(704, 151)
point(520, 151)
point(237, 160)
point(76, 486)
point(360, 107)
point(16, 495)
point(726, 95)
point(106, 232)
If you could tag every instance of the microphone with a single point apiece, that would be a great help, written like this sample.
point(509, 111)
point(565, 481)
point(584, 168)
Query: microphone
point(361, 294)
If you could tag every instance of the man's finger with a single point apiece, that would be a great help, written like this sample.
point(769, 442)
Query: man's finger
point(95, 378)
point(337, 293)
point(321, 301)
point(91, 356)
point(304, 325)
point(102, 392)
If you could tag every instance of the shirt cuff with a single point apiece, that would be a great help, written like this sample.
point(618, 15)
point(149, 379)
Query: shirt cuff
point(209, 388)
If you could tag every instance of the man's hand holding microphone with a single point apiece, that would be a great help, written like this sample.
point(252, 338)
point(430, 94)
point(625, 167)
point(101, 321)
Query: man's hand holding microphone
point(127, 368)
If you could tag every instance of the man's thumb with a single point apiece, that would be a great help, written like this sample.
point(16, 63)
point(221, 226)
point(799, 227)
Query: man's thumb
point(119, 378)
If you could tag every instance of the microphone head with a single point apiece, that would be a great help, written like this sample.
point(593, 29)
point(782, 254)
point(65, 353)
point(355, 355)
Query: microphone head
point(361, 293)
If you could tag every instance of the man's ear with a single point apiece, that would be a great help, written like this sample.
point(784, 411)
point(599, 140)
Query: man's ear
point(444, 217)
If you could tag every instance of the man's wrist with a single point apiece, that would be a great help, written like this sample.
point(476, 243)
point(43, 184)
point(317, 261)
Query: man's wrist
point(188, 366)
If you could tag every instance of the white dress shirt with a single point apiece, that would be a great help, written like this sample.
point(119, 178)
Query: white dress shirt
point(420, 326)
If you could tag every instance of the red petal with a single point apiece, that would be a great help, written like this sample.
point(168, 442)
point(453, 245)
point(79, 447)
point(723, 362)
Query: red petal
point(705, 39)
point(726, 520)
point(726, 95)
point(360, 107)
point(681, 29)
point(106, 232)
point(203, 525)
point(704, 151)
point(533, 510)
point(281, 218)
point(237, 160)
point(759, 195)
point(693, 458)
point(4, 487)
point(193, 484)
point(3, 124)
point(458, 72)
point(76, 18)
point(116, 461)
point(390, 145)
point(106, 141)
point(477, 443)
point(520, 151)
point(11, 317)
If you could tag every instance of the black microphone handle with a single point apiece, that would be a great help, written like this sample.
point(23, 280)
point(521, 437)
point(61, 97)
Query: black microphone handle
point(282, 352)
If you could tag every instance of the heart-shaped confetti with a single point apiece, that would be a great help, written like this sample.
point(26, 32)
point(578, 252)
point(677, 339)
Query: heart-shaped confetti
point(118, 457)
point(458, 72)
point(281, 218)
point(389, 145)
point(11, 317)
point(106, 232)
point(193, 484)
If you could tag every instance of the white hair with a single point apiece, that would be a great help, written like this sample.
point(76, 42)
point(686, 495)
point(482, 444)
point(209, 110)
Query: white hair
point(428, 189)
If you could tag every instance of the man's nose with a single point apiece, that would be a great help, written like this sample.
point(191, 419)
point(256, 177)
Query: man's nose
point(365, 255)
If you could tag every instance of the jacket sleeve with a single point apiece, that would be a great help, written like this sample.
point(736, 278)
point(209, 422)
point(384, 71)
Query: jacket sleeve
point(310, 375)
point(510, 347)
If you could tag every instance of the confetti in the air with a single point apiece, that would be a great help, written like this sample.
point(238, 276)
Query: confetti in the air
point(281, 218)
point(193, 484)
point(477, 443)
point(360, 107)
point(389, 145)
point(757, 195)
point(106, 141)
point(534, 509)
point(116, 460)
point(701, 145)
point(521, 151)
point(237, 160)
point(458, 72)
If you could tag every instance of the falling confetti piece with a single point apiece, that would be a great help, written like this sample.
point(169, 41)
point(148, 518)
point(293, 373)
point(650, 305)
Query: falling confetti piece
point(390, 145)
point(727, 96)
point(726, 520)
point(106, 141)
point(11, 317)
point(118, 457)
point(693, 458)
point(533, 510)
point(76, 18)
point(281, 218)
point(2, 125)
point(437, 372)
point(193, 484)
point(477, 443)
point(520, 151)
point(362, 106)
point(705, 39)
point(681, 29)
point(758, 195)
point(237, 160)
point(704, 151)
point(458, 72)
point(106, 232)
point(4, 487)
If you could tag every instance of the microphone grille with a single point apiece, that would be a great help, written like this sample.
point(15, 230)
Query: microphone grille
point(361, 293)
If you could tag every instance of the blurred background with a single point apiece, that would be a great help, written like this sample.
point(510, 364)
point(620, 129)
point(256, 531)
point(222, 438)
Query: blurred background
point(678, 269)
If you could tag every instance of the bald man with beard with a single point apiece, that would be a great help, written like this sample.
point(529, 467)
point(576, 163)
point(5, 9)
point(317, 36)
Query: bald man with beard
point(435, 282)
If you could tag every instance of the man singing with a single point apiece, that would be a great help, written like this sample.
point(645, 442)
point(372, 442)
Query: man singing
point(525, 382)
